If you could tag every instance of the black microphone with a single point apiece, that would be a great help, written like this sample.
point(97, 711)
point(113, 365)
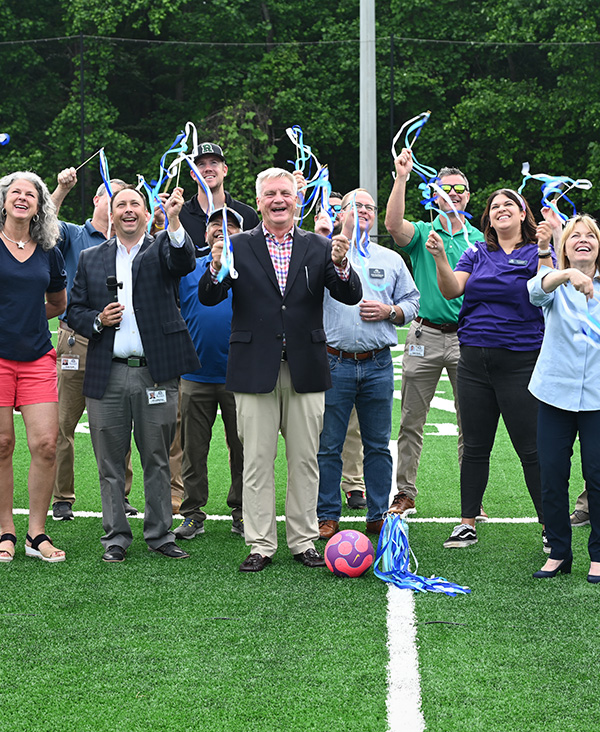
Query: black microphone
point(112, 286)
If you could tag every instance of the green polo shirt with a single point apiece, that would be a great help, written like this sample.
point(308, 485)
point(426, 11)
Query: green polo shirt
point(433, 305)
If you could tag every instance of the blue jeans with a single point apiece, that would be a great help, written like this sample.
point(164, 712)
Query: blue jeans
point(369, 385)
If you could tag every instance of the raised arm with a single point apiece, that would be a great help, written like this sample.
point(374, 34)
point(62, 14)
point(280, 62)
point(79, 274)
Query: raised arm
point(401, 230)
point(66, 179)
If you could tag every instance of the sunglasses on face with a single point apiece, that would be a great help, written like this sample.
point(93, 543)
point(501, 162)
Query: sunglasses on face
point(336, 207)
point(460, 188)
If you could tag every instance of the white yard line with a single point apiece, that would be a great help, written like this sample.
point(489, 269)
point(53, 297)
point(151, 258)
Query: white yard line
point(404, 684)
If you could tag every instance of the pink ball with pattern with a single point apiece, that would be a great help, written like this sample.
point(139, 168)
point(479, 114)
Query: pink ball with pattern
point(349, 553)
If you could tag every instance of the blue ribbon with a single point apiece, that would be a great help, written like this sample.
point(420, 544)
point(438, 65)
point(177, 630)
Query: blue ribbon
point(553, 185)
point(227, 267)
point(393, 558)
point(104, 173)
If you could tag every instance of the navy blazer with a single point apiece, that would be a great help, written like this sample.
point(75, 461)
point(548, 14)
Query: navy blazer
point(261, 315)
point(156, 270)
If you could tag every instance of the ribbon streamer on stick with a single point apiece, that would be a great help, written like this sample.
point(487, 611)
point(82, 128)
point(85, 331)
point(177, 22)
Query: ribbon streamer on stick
point(555, 185)
point(318, 185)
point(430, 185)
point(227, 267)
point(393, 559)
point(588, 324)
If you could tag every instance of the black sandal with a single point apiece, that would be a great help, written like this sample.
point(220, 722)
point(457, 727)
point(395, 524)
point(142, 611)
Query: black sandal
point(8, 537)
point(33, 550)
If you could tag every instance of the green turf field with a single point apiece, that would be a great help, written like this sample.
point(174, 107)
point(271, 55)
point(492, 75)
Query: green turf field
point(154, 644)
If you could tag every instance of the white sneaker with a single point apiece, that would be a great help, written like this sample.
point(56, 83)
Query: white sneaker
point(462, 535)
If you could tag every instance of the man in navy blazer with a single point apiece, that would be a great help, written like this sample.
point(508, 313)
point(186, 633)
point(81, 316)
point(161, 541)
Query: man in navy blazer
point(138, 347)
point(278, 367)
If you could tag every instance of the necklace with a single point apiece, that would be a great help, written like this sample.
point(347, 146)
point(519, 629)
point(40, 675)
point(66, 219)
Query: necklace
point(20, 244)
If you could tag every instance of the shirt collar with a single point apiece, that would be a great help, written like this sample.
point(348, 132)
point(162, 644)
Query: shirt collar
point(134, 248)
point(267, 233)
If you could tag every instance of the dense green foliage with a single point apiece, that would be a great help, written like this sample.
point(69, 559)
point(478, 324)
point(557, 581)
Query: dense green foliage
point(506, 82)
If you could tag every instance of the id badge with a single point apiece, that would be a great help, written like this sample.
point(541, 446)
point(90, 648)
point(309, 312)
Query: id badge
point(156, 396)
point(414, 350)
point(69, 363)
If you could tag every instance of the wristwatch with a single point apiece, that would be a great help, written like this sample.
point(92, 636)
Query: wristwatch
point(393, 315)
point(98, 327)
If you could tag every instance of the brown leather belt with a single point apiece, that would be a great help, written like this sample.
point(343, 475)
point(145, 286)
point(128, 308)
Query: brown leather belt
point(355, 356)
point(64, 326)
point(444, 327)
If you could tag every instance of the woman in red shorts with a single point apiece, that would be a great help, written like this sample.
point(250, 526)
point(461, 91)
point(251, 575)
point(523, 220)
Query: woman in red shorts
point(32, 290)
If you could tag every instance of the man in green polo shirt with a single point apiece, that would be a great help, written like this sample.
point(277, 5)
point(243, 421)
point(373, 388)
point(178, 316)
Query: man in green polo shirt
point(431, 344)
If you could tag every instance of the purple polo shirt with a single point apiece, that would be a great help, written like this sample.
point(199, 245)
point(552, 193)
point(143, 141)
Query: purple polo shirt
point(496, 312)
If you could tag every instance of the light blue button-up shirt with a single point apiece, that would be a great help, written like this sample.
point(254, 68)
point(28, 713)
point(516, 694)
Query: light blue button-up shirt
point(567, 372)
point(384, 277)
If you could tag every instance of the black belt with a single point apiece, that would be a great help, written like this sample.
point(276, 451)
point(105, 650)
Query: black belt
point(133, 361)
point(362, 356)
point(444, 327)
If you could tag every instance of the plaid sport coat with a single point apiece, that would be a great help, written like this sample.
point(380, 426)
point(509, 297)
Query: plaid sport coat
point(156, 270)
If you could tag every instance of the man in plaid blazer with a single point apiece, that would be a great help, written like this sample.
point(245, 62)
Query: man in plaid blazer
point(138, 346)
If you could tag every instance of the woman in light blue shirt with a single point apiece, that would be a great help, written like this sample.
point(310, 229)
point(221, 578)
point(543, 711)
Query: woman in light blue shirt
point(566, 381)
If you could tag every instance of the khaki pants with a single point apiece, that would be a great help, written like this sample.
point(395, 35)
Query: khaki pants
point(420, 377)
point(260, 418)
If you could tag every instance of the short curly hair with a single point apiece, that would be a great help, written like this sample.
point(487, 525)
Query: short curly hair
point(45, 231)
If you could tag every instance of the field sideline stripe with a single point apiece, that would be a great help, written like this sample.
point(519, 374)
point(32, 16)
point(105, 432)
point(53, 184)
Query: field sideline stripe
point(343, 519)
point(404, 686)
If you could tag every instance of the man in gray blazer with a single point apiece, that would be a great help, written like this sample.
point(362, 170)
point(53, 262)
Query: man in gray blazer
point(123, 300)
point(277, 364)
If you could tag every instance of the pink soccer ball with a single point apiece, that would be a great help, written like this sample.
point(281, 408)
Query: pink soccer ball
point(349, 553)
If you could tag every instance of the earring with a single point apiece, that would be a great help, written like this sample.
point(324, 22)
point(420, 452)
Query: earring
point(4, 212)
point(35, 218)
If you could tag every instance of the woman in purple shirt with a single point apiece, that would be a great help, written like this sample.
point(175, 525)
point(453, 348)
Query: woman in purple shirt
point(500, 335)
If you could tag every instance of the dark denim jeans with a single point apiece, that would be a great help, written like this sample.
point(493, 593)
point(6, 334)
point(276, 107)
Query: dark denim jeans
point(493, 382)
point(370, 385)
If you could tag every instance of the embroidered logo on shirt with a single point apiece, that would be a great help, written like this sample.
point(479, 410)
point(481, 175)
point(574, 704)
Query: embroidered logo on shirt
point(376, 273)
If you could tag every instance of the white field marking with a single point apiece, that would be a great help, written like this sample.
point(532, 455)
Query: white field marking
point(445, 429)
point(404, 685)
point(343, 519)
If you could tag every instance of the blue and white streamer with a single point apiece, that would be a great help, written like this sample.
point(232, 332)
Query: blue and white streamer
point(393, 559)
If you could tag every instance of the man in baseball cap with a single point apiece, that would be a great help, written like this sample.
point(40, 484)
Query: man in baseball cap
point(210, 161)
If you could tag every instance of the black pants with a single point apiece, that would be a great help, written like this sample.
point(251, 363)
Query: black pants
point(493, 382)
point(557, 430)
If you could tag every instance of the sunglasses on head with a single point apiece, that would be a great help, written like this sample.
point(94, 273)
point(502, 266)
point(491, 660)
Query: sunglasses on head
point(460, 188)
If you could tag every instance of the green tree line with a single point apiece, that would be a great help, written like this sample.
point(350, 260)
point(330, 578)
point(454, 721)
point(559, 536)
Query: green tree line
point(505, 82)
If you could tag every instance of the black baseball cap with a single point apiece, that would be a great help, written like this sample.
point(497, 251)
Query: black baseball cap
point(218, 212)
point(209, 148)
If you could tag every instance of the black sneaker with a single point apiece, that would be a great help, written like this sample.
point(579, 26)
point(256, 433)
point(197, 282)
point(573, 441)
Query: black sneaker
point(237, 526)
point(462, 535)
point(129, 509)
point(62, 511)
point(356, 499)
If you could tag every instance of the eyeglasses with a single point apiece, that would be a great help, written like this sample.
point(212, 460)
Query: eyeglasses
point(359, 206)
point(337, 207)
point(460, 188)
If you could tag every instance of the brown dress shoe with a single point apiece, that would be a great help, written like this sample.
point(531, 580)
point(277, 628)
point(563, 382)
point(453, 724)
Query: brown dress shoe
point(327, 529)
point(254, 563)
point(374, 527)
point(402, 503)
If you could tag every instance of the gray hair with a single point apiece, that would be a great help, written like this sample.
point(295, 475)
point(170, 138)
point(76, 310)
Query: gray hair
point(274, 173)
point(101, 190)
point(45, 231)
point(454, 171)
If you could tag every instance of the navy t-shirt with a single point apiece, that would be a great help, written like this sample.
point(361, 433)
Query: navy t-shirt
point(24, 332)
point(496, 312)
